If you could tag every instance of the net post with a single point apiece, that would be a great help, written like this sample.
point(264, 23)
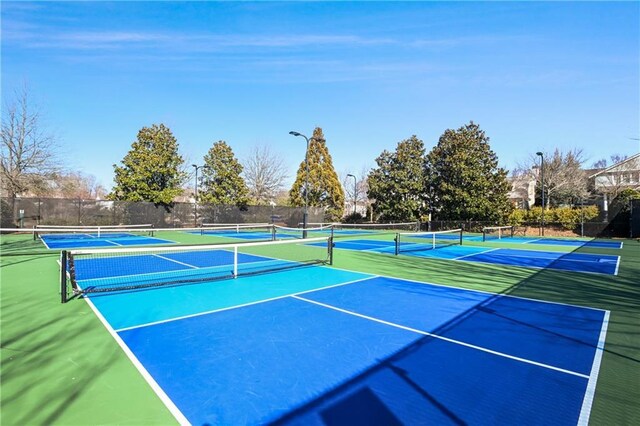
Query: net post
point(63, 276)
point(330, 249)
point(396, 239)
point(235, 261)
point(35, 233)
point(273, 232)
point(484, 235)
point(460, 236)
point(433, 241)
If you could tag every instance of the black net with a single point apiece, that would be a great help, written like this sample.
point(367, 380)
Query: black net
point(420, 241)
point(97, 271)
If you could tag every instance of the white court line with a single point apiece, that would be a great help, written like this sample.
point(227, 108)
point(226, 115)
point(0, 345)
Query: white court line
point(617, 266)
point(532, 241)
point(257, 302)
point(589, 394)
point(45, 243)
point(473, 254)
point(457, 342)
point(114, 243)
point(561, 255)
point(175, 261)
point(525, 266)
point(493, 294)
point(143, 371)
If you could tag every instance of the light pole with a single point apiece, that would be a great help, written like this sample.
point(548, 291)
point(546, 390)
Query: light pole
point(306, 183)
point(542, 188)
point(355, 194)
point(195, 195)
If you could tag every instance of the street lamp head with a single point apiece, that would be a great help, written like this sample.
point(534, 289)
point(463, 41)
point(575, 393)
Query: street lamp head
point(194, 166)
point(295, 133)
point(350, 175)
point(539, 153)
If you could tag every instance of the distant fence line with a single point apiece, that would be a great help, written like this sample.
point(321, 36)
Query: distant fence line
point(27, 212)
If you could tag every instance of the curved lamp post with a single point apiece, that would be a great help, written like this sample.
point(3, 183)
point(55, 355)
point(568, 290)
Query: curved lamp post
point(195, 204)
point(306, 184)
point(542, 187)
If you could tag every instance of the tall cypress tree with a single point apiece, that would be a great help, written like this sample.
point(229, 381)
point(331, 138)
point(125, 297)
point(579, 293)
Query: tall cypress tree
point(464, 179)
point(397, 184)
point(220, 181)
point(151, 169)
point(325, 189)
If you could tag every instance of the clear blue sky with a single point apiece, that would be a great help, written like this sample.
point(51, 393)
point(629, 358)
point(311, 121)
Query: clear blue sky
point(535, 76)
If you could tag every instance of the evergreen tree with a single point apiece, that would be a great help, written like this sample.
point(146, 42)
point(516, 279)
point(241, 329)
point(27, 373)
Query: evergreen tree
point(151, 169)
point(221, 183)
point(325, 189)
point(397, 184)
point(463, 179)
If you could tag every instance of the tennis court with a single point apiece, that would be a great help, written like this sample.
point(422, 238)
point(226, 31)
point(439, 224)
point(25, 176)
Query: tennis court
point(275, 232)
point(67, 237)
point(560, 242)
point(269, 332)
point(575, 262)
point(317, 344)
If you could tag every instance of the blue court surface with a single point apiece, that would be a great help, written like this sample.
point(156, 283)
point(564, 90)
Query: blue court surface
point(575, 262)
point(93, 240)
point(560, 242)
point(326, 346)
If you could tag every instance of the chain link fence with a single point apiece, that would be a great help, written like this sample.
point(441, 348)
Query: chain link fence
point(28, 212)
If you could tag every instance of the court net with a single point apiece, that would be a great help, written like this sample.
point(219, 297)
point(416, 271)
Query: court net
point(346, 230)
point(497, 232)
point(286, 233)
point(109, 270)
point(259, 230)
point(418, 241)
point(226, 225)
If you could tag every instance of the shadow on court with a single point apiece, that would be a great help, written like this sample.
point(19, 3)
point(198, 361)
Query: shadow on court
point(619, 294)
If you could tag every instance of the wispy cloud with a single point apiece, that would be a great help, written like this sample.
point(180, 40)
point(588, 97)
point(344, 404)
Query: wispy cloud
point(28, 37)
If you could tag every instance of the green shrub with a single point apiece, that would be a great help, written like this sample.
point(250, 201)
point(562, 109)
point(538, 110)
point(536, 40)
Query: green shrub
point(517, 217)
point(568, 217)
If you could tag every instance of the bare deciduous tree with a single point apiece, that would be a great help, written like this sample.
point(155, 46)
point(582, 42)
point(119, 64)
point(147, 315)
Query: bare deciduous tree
point(360, 189)
point(264, 173)
point(603, 163)
point(27, 153)
point(564, 179)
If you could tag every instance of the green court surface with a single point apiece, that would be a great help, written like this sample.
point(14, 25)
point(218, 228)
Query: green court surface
point(60, 365)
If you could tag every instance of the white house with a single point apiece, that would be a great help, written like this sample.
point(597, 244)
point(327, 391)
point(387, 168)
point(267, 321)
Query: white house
point(623, 175)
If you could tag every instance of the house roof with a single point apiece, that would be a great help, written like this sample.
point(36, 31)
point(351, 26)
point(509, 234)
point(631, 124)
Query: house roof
point(610, 168)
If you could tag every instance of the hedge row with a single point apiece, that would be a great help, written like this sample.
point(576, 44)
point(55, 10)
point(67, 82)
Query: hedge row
point(568, 217)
